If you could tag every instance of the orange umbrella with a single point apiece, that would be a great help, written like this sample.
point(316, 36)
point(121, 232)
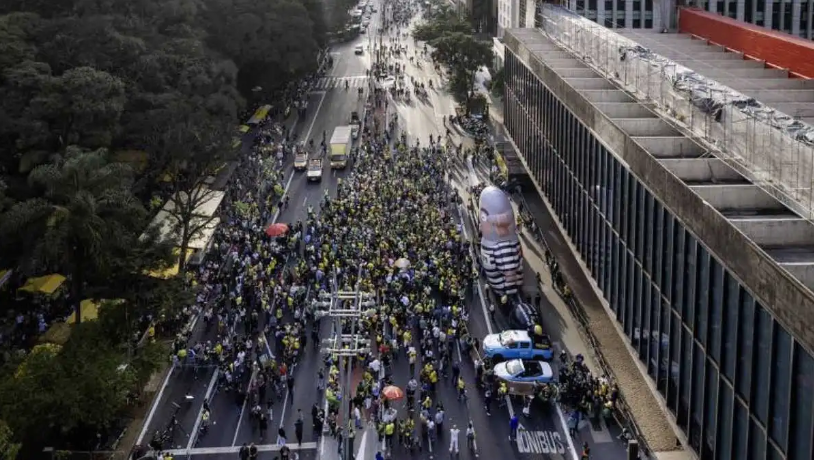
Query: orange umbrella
point(393, 393)
point(276, 230)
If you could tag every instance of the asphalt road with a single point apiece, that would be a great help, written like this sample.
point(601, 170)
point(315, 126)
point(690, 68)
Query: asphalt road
point(545, 436)
point(230, 425)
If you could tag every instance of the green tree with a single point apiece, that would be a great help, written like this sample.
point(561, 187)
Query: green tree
point(192, 149)
point(80, 107)
point(444, 23)
point(8, 446)
point(271, 42)
point(463, 54)
point(83, 210)
point(67, 395)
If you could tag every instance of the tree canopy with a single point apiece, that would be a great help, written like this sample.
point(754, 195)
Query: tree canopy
point(455, 47)
point(106, 106)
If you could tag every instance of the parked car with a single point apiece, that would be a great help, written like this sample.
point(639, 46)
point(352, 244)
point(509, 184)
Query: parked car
point(522, 376)
point(515, 344)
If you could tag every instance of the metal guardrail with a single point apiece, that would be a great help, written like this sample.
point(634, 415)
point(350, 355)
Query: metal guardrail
point(622, 412)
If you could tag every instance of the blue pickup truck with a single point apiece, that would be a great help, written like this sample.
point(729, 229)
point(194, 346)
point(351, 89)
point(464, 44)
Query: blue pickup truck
point(516, 344)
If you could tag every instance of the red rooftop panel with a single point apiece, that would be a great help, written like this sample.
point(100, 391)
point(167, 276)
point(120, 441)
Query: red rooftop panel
point(775, 48)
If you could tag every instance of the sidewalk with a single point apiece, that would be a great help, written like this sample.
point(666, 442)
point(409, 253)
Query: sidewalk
point(639, 394)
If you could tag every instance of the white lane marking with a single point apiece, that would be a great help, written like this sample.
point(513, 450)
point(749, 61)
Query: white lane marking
point(509, 406)
point(568, 438)
point(285, 192)
point(233, 450)
point(360, 455)
point(154, 407)
point(194, 436)
point(485, 311)
point(316, 114)
point(245, 401)
point(285, 403)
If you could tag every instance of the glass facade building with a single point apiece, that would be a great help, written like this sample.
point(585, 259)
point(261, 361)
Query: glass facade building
point(738, 384)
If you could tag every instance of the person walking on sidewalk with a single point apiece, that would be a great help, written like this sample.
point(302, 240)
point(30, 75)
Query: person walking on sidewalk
point(514, 423)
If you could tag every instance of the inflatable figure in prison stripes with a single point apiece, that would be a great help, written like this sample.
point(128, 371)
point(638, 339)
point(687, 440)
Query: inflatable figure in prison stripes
point(501, 254)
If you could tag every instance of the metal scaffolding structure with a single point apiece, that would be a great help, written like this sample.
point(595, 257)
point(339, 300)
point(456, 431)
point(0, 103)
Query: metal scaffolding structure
point(770, 144)
point(346, 308)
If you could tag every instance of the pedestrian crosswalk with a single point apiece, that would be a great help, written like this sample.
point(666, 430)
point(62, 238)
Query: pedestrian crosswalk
point(328, 83)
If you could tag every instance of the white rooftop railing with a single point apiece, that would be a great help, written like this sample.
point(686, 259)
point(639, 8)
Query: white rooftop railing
point(770, 148)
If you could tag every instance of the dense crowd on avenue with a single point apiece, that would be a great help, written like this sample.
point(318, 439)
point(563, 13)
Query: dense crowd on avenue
point(390, 232)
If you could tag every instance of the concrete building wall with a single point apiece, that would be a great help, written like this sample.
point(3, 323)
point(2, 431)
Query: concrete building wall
point(725, 333)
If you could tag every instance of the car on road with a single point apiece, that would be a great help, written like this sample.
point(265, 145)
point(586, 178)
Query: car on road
point(359, 49)
point(314, 170)
point(522, 316)
point(515, 344)
point(301, 159)
point(355, 124)
point(522, 376)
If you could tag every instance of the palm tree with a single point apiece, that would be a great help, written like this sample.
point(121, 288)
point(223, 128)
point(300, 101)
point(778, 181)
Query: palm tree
point(83, 217)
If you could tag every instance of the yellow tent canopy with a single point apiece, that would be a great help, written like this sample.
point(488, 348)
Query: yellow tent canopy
point(47, 284)
point(89, 309)
point(259, 115)
point(171, 271)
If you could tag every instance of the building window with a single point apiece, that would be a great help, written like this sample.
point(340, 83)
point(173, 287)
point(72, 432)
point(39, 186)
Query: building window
point(748, 7)
point(746, 330)
point(730, 330)
point(710, 410)
point(637, 14)
point(619, 22)
point(609, 14)
point(787, 18)
point(781, 380)
point(757, 440)
point(686, 375)
point(697, 397)
point(716, 307)
point(665, 364)
point(740, 434)
point(776, 12)
point(803, 397)
point(760, 12)
point(648, 14)
point(701, 295)
point(732, 11)
point(759, 401)
point(723, 445)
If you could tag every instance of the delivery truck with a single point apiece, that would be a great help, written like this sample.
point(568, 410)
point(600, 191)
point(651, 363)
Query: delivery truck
point(340, 147)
